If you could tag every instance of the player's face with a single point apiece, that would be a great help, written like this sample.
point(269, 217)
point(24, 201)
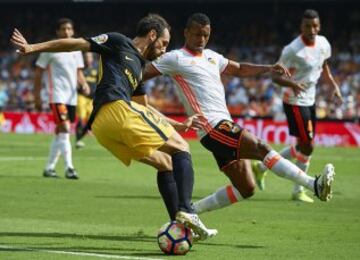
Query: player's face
point(88, 58)
point(197, 37)
point(158, 47)
point(310, 28)
point(66, 30)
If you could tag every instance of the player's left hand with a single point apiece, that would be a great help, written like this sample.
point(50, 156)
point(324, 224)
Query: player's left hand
point(280, 69)
point(85, 89)
point(20, 42)
point(337, 95)
point(195, 122)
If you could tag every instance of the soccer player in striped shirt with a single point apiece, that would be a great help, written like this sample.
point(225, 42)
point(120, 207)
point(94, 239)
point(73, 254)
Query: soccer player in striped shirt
point(196, 72)
point(306, 58)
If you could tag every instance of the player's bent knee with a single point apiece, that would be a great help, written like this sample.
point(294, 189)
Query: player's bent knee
point(248, 191)
point(178, 144)
point(262, 148)
point(63, 127)
point(306, 148)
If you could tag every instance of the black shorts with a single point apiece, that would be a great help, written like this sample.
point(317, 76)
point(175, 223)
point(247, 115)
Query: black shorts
point(63, 112)
point(301, 121)
point(223, 141)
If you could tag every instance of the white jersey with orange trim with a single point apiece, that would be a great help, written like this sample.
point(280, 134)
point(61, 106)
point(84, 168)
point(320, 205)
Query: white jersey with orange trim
point(198, 82)
point(305, 63)
point(62, 70)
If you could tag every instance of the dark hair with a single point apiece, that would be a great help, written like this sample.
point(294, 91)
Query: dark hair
point(62, 21)
point(152, 22)
point(199, 18)
point(310, 14)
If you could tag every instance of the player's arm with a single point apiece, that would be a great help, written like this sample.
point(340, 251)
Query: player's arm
point(37, 87)
point(287, 82)
point(238, 69)
point(328, 77)
point(150, 72)
point(194, 122)
point(60, 45)
point(82, 83)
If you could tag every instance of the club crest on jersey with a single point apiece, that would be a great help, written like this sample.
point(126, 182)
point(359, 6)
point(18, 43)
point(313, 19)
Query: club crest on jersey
point(100, 39)
point(212, 61)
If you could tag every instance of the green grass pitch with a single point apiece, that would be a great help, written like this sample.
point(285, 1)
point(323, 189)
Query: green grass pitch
point(114, 212)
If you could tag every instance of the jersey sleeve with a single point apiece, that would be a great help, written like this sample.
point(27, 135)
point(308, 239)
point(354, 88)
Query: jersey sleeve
point(79, 60)
point(43, 60)
point(166, 64)
point(223, 62)
point(106, 43)
point(327, 49)
point(287, 57)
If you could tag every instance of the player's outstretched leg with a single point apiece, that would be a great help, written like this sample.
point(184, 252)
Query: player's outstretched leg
point(242, 187)
point(290, 153)
point(253, 148)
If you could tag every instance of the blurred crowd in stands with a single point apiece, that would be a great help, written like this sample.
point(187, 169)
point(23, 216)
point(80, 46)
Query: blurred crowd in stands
point(244, 36)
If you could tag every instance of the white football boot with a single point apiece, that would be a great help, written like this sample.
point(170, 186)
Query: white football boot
point(323, 183)
point(192, 221)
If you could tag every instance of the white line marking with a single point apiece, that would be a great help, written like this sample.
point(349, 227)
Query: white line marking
point(78, 253)
point(42, 158)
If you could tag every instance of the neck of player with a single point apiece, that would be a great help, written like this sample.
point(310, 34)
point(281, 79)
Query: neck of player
point(141, 44)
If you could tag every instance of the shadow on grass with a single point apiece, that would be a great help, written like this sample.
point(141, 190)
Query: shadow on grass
point(141, 238)
point(138, 197)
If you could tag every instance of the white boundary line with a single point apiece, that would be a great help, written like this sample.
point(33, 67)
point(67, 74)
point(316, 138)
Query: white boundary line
point(78, 253)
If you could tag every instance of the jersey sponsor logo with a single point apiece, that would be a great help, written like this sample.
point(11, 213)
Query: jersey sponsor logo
point(133, 81)
point(212, 61)
point(100, 39)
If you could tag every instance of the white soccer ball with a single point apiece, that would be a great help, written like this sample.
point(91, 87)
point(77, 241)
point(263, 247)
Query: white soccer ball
point(175, 239)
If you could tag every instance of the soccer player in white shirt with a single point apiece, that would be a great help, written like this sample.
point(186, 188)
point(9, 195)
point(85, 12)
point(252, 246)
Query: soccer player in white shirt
point(63, 74)
point(196, 72)
point(305, 57)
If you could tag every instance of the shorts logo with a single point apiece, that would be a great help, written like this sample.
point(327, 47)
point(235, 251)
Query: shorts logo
point(100, 39)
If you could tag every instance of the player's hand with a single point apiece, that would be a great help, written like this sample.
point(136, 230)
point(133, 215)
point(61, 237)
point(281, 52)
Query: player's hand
point(337, 96)
point(85, 90)
point(298, 87)
point(20, 42)
point(38, 104)
point(280, 69)
point(195, 122)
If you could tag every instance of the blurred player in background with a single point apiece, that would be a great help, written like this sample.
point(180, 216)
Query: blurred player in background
point(64, 72)
point(84, 105)
point(306, 58)
point(196, 72)
point(131, 131)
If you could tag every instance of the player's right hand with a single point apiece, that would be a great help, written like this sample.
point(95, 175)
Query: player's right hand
point(20, 42)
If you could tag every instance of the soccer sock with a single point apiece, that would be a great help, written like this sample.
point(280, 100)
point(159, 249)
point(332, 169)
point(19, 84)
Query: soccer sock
point(286, 169)
point(303, 162)
point(223, 197)
point(288, 152)
point(79, 130)
point(65, 148)
point(184, 176)
point(54, 153)
point(169, 193)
